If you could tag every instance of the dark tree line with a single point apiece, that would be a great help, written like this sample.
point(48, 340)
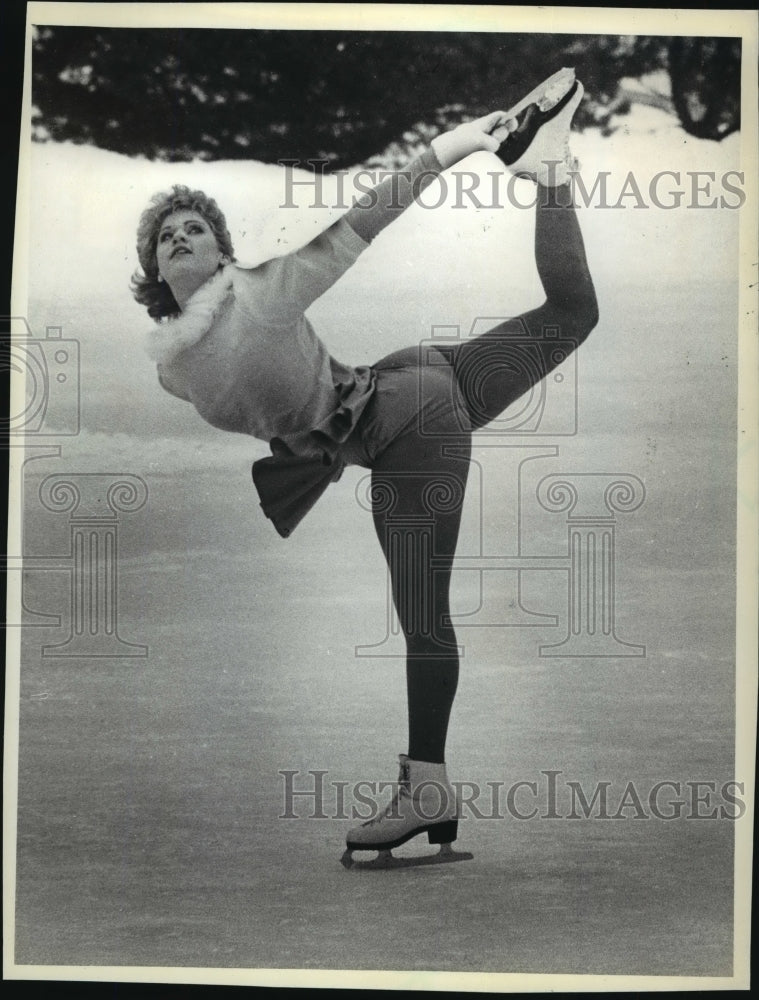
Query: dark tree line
point(176, 94)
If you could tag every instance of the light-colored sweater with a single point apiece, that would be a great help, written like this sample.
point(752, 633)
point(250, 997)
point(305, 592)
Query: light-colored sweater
point(249, 361)
point(247, 358)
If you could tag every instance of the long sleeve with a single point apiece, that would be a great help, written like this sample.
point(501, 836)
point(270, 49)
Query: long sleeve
point(392, 196)
point(295, 281)
point(286, 286)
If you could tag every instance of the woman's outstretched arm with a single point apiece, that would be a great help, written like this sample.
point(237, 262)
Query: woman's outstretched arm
point(393, 195)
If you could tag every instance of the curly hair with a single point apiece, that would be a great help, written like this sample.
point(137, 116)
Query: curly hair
point(146, 288)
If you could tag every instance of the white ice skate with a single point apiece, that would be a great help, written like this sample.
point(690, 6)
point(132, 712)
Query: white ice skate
point(538, 144)
point(424, 803)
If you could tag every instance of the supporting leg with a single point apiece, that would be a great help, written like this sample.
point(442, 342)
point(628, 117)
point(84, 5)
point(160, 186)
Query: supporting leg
point(420, 493)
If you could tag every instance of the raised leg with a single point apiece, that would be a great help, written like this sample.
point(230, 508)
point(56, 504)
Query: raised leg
point(495, 369)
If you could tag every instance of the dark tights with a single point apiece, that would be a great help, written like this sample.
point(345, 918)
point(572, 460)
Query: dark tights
point(419, 480)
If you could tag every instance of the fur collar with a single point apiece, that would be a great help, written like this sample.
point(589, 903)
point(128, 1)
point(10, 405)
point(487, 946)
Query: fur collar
point(168, 339)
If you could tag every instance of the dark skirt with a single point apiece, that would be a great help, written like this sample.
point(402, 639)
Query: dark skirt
point(406, 392)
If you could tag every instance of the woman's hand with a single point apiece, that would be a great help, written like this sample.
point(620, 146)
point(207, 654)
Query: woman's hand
point(486, 133)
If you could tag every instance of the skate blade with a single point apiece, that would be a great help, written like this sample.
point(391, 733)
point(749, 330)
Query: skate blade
point(386, 860)
point(547, 94)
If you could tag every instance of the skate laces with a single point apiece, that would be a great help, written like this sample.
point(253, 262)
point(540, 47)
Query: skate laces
point(391, 810)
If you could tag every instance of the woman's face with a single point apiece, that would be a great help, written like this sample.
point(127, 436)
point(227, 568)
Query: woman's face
point(187, 252)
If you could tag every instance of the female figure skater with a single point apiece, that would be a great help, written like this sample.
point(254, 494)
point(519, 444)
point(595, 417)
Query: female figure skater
point(234, 342)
